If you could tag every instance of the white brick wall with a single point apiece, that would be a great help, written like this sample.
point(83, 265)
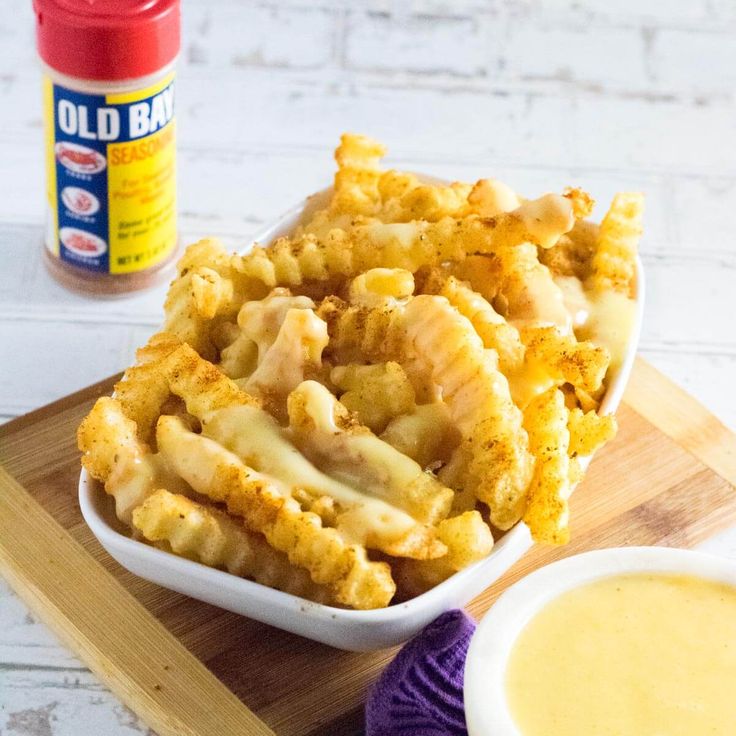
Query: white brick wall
point(633, 94)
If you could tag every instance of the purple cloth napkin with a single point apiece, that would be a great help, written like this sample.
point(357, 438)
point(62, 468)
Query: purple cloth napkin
point(421, 692)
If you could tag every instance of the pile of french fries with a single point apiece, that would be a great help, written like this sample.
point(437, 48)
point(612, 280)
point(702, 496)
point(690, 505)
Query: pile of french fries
point(353, 412)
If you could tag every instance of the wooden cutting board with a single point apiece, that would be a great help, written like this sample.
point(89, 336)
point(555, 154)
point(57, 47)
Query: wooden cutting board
point(189, 668)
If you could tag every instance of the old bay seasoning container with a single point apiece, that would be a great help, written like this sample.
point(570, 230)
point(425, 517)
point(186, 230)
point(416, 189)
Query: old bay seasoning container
point(108, 100)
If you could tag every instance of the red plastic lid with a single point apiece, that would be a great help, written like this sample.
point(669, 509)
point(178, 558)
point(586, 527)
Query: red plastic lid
point(107, 39)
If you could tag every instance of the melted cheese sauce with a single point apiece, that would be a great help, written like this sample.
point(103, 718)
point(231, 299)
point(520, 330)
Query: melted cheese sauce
point(605, 318)
point(135, 477)
point(630, 655)
point(254, 436)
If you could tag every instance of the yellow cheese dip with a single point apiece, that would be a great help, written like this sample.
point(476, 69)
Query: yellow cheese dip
point(629, 655)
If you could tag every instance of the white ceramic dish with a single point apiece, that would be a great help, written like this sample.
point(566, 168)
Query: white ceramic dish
point(345, 629)
point(486, 710)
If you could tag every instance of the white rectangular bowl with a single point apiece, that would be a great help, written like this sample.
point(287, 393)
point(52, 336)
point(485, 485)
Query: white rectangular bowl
point(341, 628)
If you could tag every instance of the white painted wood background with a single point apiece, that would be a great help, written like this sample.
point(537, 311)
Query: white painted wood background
point(608, 95)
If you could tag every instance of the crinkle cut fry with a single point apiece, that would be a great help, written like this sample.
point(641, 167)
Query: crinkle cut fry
point(221, 476)
point(319, 421)
point(210, 536)
point(357, 175)
point(497, 334)
point(468, 539)
point(589, 431)
point(207, 291)
point(478, 396)
point(547, 510)
point(614, 260)
point(581, 364)
point(411, 246)
point(198, 293)
point(430, 333)
point(143, 390)
point(204, 388)
point(358, 333)
point(105, 433)
point(113, 453)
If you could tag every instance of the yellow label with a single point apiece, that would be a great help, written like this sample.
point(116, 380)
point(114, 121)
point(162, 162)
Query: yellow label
point(111, 173)
point(142, 200)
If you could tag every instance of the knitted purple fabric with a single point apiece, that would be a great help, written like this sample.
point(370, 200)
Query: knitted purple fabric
point(421, 692)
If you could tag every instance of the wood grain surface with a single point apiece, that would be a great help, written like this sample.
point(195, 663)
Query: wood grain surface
point(657, 483)
point(637, 94)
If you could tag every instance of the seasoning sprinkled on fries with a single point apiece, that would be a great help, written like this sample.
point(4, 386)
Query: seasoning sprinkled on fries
point(353, 412)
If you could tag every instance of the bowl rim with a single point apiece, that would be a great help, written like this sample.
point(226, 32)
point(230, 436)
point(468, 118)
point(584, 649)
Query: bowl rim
point(484, 689)
point(510, 547)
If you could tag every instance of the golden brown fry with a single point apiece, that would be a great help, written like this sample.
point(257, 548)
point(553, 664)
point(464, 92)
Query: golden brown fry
point(204, 388)
point(104, 433)
point(220, 475)
point(497, 334)
point(210, 536)
point(581, 364)
point(573, 253)
point(376, 393)
point(325, 432)
point(547, 512)
point(408, 245)
point(526, 292)
point(468, 540)
point(255, 437)
point(430, 202)
point(614, 261)
point(477, 395)
point(143, 390)
point(207, 291)
point(426, 434)
point(356, 180)
point(430, 336)
point(113, 454)
point(589, 431)
point(295, 355)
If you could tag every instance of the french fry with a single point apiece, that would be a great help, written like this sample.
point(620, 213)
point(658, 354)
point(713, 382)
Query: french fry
point(214, 472)
point(295, 355)
point(426, 434)
point(113, 454)
point(478, 397)
point(324, 431)
point(210, 536)
point(375, 393)
point(547, 512)
point(497, 334)
point(104, 433)
point(428, 335)
point(614, 261)
point(581, 364)
point(207, 287)
point(204, 388)
point(356, 180)
point(254, 437)
point(589, 431)
point(143, 390)
point(468, 540)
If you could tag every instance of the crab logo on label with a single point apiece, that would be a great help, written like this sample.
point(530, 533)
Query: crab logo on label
point(80, 201)
point(82, 243)
point(79, 159)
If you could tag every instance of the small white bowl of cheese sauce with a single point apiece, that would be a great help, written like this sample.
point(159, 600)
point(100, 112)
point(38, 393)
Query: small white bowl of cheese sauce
point(635, 641)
